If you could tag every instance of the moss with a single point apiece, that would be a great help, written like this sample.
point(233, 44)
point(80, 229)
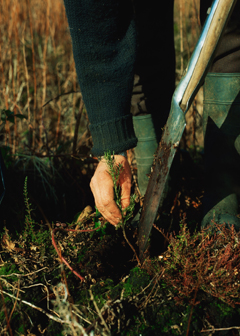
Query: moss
point(137, 280)
point(222, 309)
point(8, 269)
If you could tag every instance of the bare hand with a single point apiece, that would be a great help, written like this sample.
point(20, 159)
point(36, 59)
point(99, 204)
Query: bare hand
point(102, 188)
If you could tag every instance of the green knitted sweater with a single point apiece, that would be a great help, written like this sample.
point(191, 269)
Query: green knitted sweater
point(104, 46)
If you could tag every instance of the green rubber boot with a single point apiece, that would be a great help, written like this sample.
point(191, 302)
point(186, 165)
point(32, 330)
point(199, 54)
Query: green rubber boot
point(221, 127)
point(146, 147)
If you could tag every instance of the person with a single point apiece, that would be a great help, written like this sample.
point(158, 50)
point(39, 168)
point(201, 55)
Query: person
point(221, 127)
point(117, 46)
point(125, 62)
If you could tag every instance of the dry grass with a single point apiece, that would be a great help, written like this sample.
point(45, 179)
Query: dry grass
point(187, 31)
point(36, 65)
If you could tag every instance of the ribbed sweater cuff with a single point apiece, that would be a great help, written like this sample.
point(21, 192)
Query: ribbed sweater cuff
point(114, 135)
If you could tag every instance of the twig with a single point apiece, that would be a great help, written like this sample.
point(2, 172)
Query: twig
point(34, 74)
point(148, 285)
point(17, 274)
point(26, 76)
point(44, 79)
point(98, 311)
point(82, 318)
point(161, 231)
point(181, 35)
point(14, 306)
point(144, 304)
point(60, 95)
point(40, 284)
point(61, 258)
point(74, 147)
point(6, 283)
point(67, 292)
point(5, 310)
point(219, 329)
point(191, 312)
point(135, 253)
point(83, 158)
point(59, 253)
point(35, 307)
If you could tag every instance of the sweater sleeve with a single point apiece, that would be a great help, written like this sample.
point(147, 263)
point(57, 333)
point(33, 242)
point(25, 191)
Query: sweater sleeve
point(104, 47)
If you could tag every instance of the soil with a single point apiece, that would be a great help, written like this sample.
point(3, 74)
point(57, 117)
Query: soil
point(117, 296)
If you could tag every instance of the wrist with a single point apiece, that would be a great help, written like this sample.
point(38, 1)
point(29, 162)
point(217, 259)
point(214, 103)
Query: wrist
point(123, 154)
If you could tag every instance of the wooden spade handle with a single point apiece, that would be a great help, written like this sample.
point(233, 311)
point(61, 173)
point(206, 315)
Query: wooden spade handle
point(219, 21)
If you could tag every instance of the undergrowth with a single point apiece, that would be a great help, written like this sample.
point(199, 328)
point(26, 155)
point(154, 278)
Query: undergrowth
point(172, 294)
point(208, 260)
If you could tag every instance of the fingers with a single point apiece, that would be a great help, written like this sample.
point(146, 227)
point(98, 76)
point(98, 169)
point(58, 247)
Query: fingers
point(125, 183)
point(107, 206)
point(102, 189)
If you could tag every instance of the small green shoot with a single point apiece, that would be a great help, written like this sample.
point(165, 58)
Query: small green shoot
point(115, 171)
point(28, 217)
point(97, 223)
